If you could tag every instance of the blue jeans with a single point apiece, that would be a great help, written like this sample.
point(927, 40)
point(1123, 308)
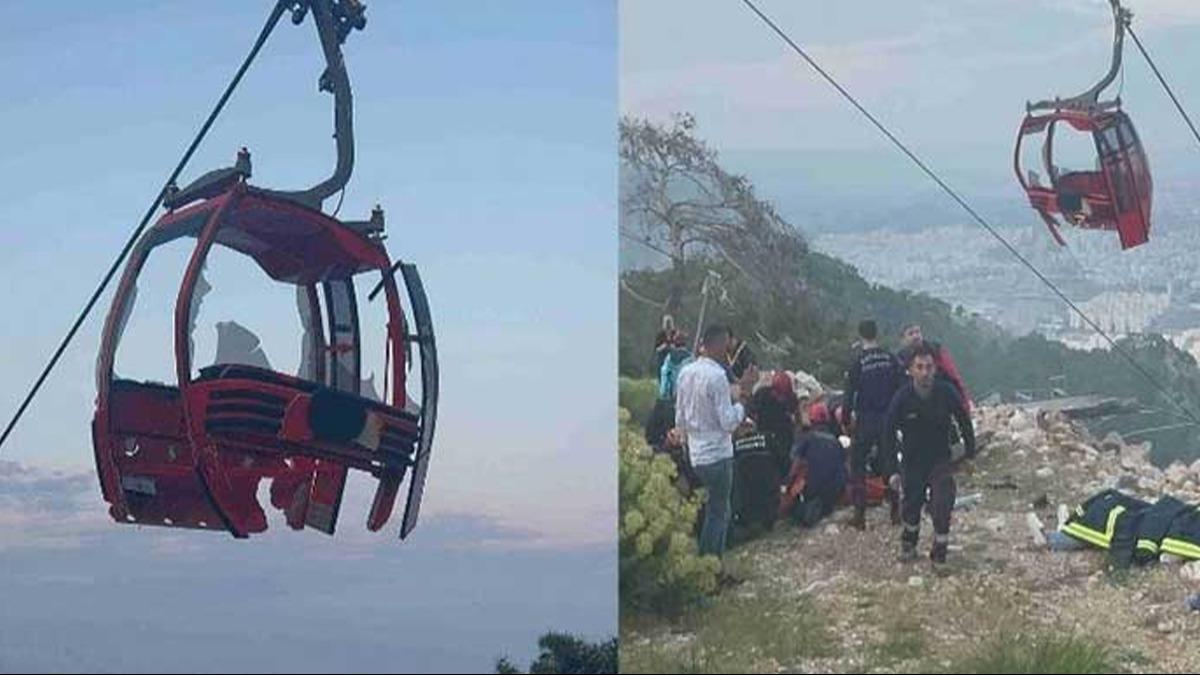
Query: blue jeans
point(717, 479)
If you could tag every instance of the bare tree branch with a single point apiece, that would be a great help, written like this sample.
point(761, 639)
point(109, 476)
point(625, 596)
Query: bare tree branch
point(641, 298)
point(674, 191)
point(644, 243)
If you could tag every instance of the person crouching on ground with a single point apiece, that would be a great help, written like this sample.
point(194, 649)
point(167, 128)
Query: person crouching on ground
point(822, 458)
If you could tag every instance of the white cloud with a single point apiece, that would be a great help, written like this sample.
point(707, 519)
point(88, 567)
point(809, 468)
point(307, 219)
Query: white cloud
point(42, 508)
point(45, 509)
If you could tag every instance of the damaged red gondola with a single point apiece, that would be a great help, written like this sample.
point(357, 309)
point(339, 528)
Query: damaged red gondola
point(1115, 193)
point(192, 454)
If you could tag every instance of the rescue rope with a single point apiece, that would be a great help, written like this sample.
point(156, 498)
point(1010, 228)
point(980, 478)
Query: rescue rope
point(641, 298)
point(272, 20)
point(1188, 414)
point(1163, 82)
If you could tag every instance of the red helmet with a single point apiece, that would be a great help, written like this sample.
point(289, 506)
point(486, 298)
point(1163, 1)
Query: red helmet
point(781, 384)
point(818, 413)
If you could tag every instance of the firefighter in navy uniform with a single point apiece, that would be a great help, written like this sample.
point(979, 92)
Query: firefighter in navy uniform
point(774, 410)
point(874, 377)
point(923, 411)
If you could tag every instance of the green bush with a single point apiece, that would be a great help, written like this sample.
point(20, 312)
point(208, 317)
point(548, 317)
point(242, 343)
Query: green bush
point(637, 396)
point(660, 567)
point(566, 653)
point(1039, 654)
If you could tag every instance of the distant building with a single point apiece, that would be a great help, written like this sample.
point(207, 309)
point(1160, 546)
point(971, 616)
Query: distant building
point(1122, 312)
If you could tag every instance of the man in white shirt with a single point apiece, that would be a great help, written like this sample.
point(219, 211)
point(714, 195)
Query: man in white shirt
point(706, 415)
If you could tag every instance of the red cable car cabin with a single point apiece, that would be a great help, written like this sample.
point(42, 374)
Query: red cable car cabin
point(1113, 196)
point(192, 454)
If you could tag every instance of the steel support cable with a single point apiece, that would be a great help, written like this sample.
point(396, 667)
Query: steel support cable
point(972, 212)
point(272, 20)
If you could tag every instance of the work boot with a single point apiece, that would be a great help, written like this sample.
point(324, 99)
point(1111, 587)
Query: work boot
point(937, 554)
point(859, 520)
point(908, 551)
point(812, 513)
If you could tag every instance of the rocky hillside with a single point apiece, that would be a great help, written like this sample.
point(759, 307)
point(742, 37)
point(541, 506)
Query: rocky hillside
point(836, 600)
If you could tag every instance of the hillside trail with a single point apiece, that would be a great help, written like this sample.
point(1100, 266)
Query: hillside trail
point(888, 616)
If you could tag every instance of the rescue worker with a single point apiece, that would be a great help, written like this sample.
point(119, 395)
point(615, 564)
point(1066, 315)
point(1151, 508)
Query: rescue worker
point(774, 411)
point(756, 478)
point(923, 410)
point(822, 459)
point(947, 368)
point(874, 377)
point(821, 417)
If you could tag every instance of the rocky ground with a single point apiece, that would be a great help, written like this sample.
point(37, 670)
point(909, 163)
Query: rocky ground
point(836, 600)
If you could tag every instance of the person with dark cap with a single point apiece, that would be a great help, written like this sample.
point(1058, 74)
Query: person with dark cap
point(874, 377)
point(923, 411)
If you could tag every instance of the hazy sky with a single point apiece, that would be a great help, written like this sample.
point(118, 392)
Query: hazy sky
point(84, 595)
point(950, 77)
point(488, 136)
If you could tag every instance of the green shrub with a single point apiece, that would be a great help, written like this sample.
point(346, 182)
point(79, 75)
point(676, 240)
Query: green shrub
point(566, 653)
point(660, 567)
point(637, 396)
